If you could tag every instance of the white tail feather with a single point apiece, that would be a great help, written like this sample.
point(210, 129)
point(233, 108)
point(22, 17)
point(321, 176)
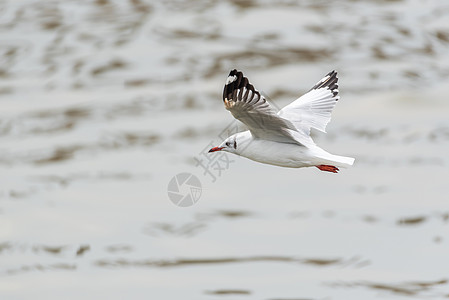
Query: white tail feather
point(325, 158)
point(343, 161)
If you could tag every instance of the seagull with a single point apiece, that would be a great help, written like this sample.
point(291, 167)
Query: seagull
point(282, 138)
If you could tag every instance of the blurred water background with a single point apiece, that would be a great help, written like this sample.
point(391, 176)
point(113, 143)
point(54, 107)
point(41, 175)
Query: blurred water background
point(103, 102)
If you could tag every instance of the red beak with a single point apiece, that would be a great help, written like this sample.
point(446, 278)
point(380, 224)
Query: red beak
point(216, 149)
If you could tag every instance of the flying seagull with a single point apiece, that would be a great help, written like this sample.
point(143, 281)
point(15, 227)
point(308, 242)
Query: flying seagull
point(282, 138)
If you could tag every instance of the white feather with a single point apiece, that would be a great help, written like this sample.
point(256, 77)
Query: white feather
point(311, 110)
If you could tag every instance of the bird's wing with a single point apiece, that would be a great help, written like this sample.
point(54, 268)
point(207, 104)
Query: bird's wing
point(247, 105)
point(313, 109)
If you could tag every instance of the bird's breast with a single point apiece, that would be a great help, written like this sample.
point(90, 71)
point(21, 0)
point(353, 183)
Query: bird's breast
point(278, 154)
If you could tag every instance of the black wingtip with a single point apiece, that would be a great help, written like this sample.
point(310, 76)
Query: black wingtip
point(234, 82)
point(329, 81)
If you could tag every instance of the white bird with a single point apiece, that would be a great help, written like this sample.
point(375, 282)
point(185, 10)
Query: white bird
point(282, 138)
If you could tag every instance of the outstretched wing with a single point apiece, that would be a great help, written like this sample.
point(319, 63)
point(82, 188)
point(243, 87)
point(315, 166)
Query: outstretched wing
point(314, 109)
point(247, 105)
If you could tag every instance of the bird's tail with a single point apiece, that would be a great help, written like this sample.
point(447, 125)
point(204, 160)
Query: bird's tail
point(343, 161)
point(335, 160)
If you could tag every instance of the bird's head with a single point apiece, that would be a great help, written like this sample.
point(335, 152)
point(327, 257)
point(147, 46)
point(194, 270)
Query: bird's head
point(229, 145)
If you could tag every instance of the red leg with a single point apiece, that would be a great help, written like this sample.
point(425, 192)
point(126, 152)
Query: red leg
point(328, 168)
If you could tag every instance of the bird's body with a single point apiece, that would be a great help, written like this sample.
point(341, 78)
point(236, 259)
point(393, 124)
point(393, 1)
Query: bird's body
point(286, 154)
point(282, 138)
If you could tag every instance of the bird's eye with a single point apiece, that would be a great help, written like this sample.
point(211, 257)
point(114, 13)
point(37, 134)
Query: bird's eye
point(228, 144)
